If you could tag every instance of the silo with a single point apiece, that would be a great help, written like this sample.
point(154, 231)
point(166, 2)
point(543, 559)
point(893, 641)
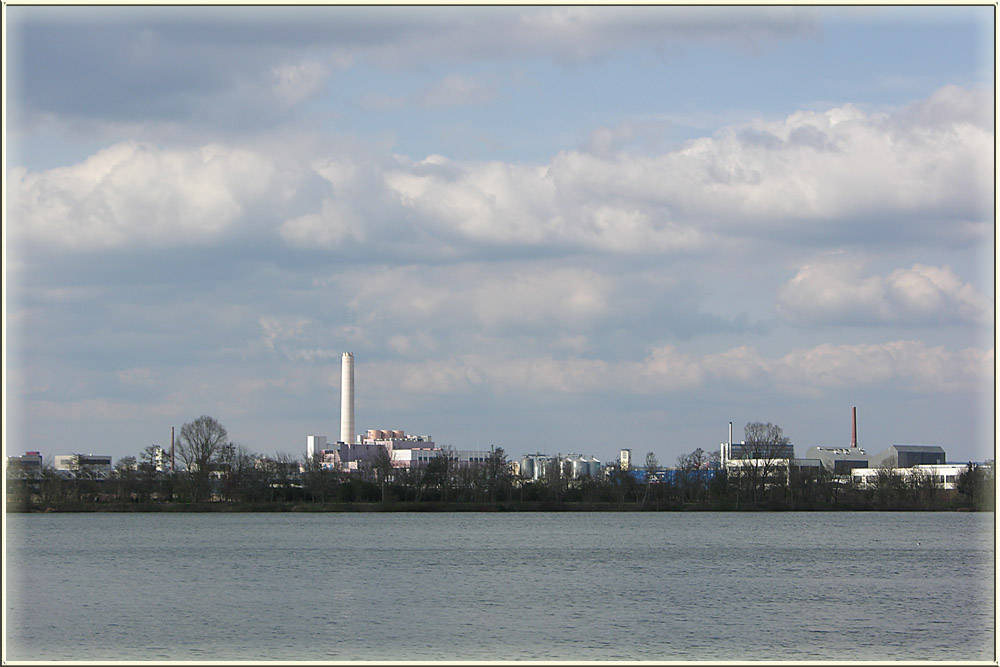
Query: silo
point(398, 434)
point(528, 467)
point(595, 467)
point(580, 468)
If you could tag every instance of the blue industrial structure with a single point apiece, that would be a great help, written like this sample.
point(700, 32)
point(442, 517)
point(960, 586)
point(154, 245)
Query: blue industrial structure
point(675, 475)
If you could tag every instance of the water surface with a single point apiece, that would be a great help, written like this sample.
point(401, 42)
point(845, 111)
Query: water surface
point(519, 586)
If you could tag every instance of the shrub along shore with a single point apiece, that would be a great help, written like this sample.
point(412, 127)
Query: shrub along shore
point(949, 502)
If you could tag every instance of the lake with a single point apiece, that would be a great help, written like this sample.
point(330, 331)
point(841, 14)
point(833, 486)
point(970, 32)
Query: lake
point(500, 586)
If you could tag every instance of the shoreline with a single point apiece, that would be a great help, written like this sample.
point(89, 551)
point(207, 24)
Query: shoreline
point(464, 507)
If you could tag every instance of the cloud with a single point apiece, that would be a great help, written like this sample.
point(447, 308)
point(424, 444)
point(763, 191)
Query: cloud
point(455, 90)
point(910, 365)
point(336, 223)
point(296, 82)
point(485, 298)
point(247, 66)
point(143, 377)
point(890, 175)
point(837, 292)
point(499, 203)
point(913, 364)
point(841, 177)
point(276, 330)
point(138, 194)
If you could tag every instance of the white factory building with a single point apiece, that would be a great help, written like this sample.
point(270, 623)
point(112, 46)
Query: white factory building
point(941, 475)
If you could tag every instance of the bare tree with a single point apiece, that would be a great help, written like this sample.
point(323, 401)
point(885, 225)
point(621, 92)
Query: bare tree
point(439, 471)
point(382, 465)
point(691, 478)
point(497, 472)
point(651, 467)
point(320, 482)
point(125, 477)
point(201, 442)
point(765, 451)
point(888, 487)
point(621, 482)
point(286, 474)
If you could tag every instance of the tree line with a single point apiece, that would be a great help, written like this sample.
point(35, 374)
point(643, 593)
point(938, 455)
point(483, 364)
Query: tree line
point(215, 472)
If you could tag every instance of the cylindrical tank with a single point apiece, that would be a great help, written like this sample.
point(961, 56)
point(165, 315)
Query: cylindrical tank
point(398, 434)
point(580, 468)
point(528, 467)
point(373, 434)
point(595, 467)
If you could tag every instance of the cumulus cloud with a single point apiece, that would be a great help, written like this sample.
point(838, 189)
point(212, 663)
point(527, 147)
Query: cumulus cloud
point(336, 223)
point(138, 194)
point(499, 203)
point(921, 174)
point(838, 292)
point(840, 175)
point(893, 171)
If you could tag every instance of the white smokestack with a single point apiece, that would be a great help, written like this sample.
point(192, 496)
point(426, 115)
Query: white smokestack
point(347, 398)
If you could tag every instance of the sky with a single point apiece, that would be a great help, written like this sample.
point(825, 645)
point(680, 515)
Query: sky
point(565, 229)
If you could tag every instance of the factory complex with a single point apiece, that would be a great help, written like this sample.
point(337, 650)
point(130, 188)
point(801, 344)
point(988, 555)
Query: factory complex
point(354, 452)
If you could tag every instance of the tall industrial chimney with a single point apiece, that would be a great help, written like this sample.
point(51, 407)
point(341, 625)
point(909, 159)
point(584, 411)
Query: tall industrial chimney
point(854, 428)
point(172, 449)
point(347, 398)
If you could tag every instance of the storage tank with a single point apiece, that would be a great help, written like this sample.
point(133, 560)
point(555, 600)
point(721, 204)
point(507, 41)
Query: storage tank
point(528, 467)
point(595, 467)
point(373, 434)
point(580, 468)
point(398, 434)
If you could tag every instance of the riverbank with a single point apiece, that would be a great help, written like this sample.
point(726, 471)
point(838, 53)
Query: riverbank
point(510, 506)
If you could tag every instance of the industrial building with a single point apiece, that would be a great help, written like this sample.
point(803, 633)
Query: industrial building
point(96, 464)
point(853, 463)
point(353, 450)
point(30, 462)
point(840, 460)
point(314, 445)
point(907, 456)
point(625, 459)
